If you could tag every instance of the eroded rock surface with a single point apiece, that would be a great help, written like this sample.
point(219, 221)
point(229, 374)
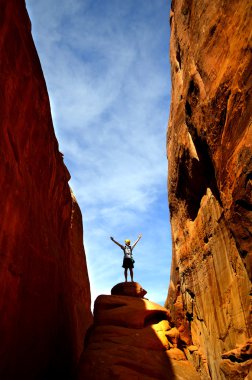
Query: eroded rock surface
point(237, 363)
point(133, 289)
point(44, 287)
point(132, 339)
point(210, 173)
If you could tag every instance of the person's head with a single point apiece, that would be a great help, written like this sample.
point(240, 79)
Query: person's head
point(127, 242)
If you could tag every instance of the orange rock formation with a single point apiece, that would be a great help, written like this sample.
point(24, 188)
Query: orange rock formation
point(210, 182)
point(45, 297)
point(132, 339)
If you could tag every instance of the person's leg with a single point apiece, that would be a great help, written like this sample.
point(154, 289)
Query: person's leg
point(125, 274)
point(131, 274)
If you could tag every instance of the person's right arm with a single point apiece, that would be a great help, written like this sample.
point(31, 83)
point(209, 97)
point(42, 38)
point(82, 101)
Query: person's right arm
point(116, 242)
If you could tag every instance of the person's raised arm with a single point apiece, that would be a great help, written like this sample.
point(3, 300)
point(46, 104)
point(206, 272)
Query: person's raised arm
point(116, 242)
point(133, 245)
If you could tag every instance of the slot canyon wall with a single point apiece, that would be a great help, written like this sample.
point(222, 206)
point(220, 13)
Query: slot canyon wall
point(44, 286)
point(209, 148)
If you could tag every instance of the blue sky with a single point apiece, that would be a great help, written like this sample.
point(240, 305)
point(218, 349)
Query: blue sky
point(106, 66)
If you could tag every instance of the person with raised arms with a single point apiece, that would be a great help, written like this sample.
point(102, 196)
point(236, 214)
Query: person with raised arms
point(128, 261)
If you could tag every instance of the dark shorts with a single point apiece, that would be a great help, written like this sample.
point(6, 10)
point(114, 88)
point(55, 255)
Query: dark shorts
point(127, 263)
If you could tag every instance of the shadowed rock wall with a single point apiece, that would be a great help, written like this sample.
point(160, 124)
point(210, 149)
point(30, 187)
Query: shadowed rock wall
point(210, 181)
point(44, 286)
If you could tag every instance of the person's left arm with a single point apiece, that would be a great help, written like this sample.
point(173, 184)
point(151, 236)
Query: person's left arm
point(134, 244)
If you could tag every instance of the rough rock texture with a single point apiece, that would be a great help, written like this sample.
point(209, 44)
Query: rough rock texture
point(133, 289)
point(237, 363)
point(44, 287)
point(210, 180)
point(132, 339)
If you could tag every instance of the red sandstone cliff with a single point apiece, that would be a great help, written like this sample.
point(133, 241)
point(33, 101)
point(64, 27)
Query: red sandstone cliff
point(210, 174)
point(45, 296)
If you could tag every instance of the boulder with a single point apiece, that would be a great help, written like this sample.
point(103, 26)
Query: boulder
point(127, 311)
point(173, 336)
point(132, 289)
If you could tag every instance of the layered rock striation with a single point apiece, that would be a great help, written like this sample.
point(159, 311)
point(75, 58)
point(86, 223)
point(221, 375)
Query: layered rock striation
point(210, 181)
point(44, 286)
point(132, 338)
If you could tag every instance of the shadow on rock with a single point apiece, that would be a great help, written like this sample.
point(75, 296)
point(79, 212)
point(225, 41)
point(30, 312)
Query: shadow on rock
point(132, 339)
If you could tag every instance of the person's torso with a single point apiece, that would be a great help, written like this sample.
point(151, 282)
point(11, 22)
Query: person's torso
point(127, 252)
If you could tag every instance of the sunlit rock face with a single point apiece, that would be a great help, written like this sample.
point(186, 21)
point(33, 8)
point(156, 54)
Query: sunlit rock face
point(210, 180)
point(132, 338)
point(44, 287)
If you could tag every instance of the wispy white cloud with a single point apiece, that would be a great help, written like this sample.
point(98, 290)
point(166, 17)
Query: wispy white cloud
point(106, 67)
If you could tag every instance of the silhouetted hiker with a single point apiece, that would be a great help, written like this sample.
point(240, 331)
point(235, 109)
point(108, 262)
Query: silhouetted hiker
point(128, 261)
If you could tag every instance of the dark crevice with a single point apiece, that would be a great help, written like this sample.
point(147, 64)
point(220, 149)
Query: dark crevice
point(242, 203)
point(212, 30)
point(190, 292)
point(200, 319)
point(178, 56)
point(188, 109)
point(234, 359)
point(243, 253)
point(193, 94)
point(155, 317)
point(196, 175)
point(193, 88)
point(189, 316)
point(187, 188)
point(248, 178)
point(206, 255)
point(207, 237)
